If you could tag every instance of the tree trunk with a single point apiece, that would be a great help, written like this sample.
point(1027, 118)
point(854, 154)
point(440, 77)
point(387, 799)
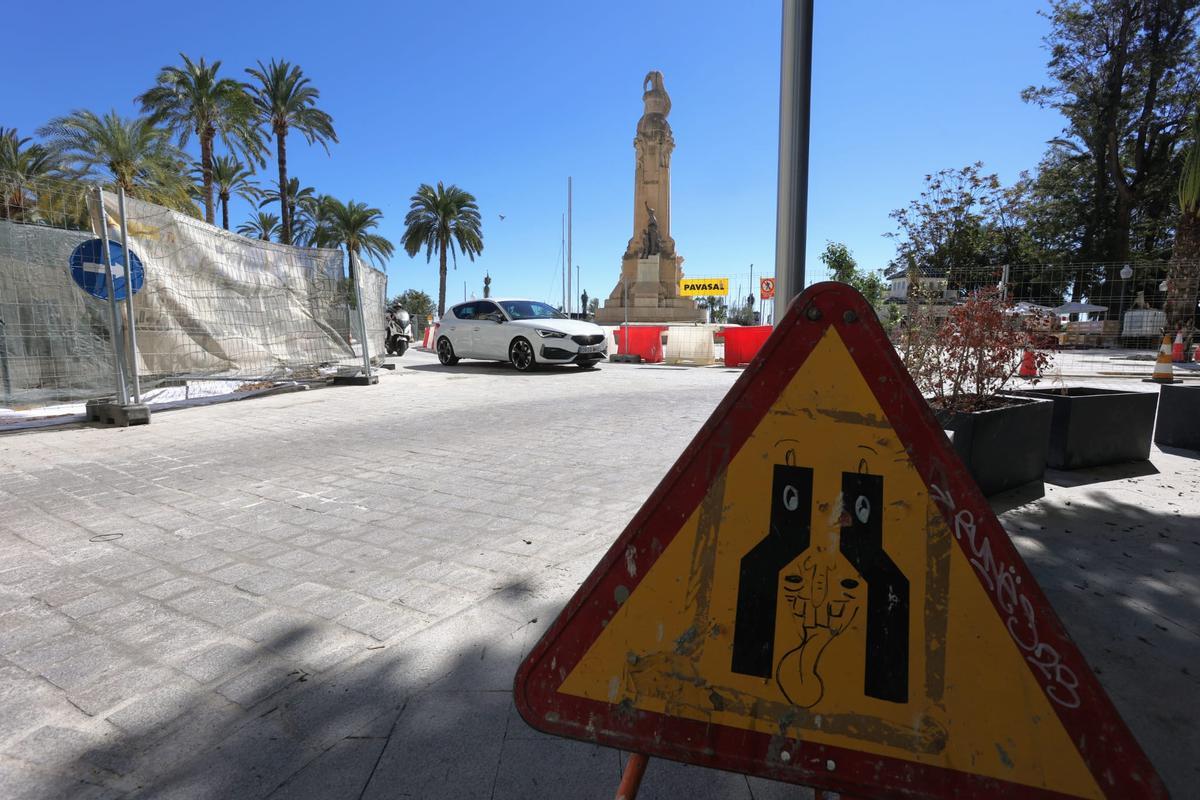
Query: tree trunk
point(441, 280)
point(285, 234)
point(206, 152)
point(1183, 277)
point(225, 212)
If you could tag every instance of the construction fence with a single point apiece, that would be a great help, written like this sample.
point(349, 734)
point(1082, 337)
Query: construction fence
point(208, 306)
point(1095, 319)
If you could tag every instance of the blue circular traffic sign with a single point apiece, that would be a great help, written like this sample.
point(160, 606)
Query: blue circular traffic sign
point(87, 269)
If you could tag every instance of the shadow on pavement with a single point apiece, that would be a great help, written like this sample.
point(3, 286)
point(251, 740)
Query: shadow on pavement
point(1108, 472)
point(1120, 569)
point(429, 717)
point(1179, 451)
point(502, 368)
point(1015, 498)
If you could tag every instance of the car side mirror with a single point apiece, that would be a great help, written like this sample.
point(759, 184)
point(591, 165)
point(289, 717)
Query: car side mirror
point(496, 317)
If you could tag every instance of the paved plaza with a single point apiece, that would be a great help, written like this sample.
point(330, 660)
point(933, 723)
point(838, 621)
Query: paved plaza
point(326, 594)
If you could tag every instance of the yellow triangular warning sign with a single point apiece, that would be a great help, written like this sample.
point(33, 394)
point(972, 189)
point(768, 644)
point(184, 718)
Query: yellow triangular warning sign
point(818, 593)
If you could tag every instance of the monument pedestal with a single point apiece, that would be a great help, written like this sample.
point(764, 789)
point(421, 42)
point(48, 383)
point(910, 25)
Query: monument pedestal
point(650, 289)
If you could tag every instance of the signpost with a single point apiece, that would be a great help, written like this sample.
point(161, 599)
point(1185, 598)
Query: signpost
point(817, 592)
point(702, 287)
point(766, 288)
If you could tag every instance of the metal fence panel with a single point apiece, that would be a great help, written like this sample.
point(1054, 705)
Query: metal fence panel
point(214, 304)
point(55, 340)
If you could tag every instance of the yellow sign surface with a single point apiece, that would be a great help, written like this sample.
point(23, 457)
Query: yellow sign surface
point(872, 632)
point(700, 287)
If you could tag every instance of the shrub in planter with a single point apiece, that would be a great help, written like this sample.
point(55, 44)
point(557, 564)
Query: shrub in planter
point(961, 363)
point(1092, 427)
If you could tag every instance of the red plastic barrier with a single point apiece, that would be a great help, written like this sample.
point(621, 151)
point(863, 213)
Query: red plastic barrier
point(742, 344)
point(643, 340)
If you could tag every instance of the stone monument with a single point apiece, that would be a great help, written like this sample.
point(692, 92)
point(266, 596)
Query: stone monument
point(650, 268)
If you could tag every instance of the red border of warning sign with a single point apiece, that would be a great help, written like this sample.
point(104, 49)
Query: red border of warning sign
point(1116, 761)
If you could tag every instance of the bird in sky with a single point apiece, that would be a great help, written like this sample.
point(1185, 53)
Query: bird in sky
point(501, 217)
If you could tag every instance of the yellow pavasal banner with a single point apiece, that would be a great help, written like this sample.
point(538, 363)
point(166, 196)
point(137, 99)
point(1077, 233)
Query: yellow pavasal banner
point(699, 287)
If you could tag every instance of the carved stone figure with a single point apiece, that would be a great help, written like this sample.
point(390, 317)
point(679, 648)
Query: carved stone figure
point(487, 285)
point(651, 241)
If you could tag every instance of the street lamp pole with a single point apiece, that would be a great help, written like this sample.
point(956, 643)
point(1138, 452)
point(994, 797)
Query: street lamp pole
point(795, 96)
point(1126, 274)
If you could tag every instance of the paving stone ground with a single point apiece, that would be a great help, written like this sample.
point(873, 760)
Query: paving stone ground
point(326, 594)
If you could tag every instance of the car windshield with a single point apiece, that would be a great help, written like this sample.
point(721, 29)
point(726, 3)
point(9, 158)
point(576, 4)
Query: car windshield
point(529, 309)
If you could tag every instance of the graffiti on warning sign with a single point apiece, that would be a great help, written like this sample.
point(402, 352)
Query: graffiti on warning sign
point(797, 594)
point(1060, 682)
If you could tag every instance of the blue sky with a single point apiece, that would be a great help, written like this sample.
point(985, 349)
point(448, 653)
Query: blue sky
point(508, 99)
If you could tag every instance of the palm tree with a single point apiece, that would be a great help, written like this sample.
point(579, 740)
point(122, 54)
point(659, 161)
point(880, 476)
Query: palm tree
point(133, 153)
point(285, 100)
point(21, 165)
point(349, 225)
point(230, 177)
point(1183, 274)
point(439, 219)
point(192, 99)
point(302, 203)
point(260, 226)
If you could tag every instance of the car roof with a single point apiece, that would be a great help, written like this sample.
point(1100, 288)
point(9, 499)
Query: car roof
point(500, 300)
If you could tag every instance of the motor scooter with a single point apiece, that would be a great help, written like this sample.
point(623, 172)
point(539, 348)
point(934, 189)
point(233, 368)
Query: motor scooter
point(399, 332)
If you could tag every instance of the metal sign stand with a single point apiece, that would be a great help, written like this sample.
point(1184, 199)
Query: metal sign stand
point(367, 377)
point(631, 779)
point(117, 332)
point(119, 412)
point(131, 326)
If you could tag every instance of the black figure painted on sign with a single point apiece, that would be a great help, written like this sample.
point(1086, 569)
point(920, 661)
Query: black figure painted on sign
point(823, 591)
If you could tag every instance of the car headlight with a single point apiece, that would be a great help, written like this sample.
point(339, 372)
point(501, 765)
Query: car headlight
point(551, 334)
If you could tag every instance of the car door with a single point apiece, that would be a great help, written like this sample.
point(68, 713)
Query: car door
point(457, 327)
point(486, 333)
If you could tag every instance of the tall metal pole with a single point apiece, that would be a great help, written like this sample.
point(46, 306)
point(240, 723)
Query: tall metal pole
point(362, 314)
point(114, 318)
point(570, 296)
point(795, 96)
point(131, 326)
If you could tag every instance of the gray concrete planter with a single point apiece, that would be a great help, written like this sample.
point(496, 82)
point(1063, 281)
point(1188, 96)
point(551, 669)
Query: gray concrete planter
point(1002, 447)
point(1178, 416)
point(1092, 427)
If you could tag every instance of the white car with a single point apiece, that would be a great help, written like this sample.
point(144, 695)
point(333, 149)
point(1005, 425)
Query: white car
point(525, 332)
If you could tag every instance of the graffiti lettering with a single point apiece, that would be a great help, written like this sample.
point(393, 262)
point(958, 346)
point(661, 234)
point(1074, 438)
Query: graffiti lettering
point(1058, 680)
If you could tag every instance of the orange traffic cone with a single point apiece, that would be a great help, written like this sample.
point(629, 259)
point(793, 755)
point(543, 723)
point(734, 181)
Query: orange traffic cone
point(1177, 348)
point(1028, 365)
point(1163, 372)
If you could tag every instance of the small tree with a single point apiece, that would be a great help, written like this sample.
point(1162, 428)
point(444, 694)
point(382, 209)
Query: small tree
point(415, 302)
point(843, 268)
point(963, 362)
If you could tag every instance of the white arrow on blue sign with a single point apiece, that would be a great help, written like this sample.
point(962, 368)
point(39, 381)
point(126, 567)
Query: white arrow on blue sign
point(87, 269)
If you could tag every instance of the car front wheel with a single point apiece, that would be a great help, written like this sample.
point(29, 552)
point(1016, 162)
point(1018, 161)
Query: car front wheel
point(520, 353)
point(446, 352)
